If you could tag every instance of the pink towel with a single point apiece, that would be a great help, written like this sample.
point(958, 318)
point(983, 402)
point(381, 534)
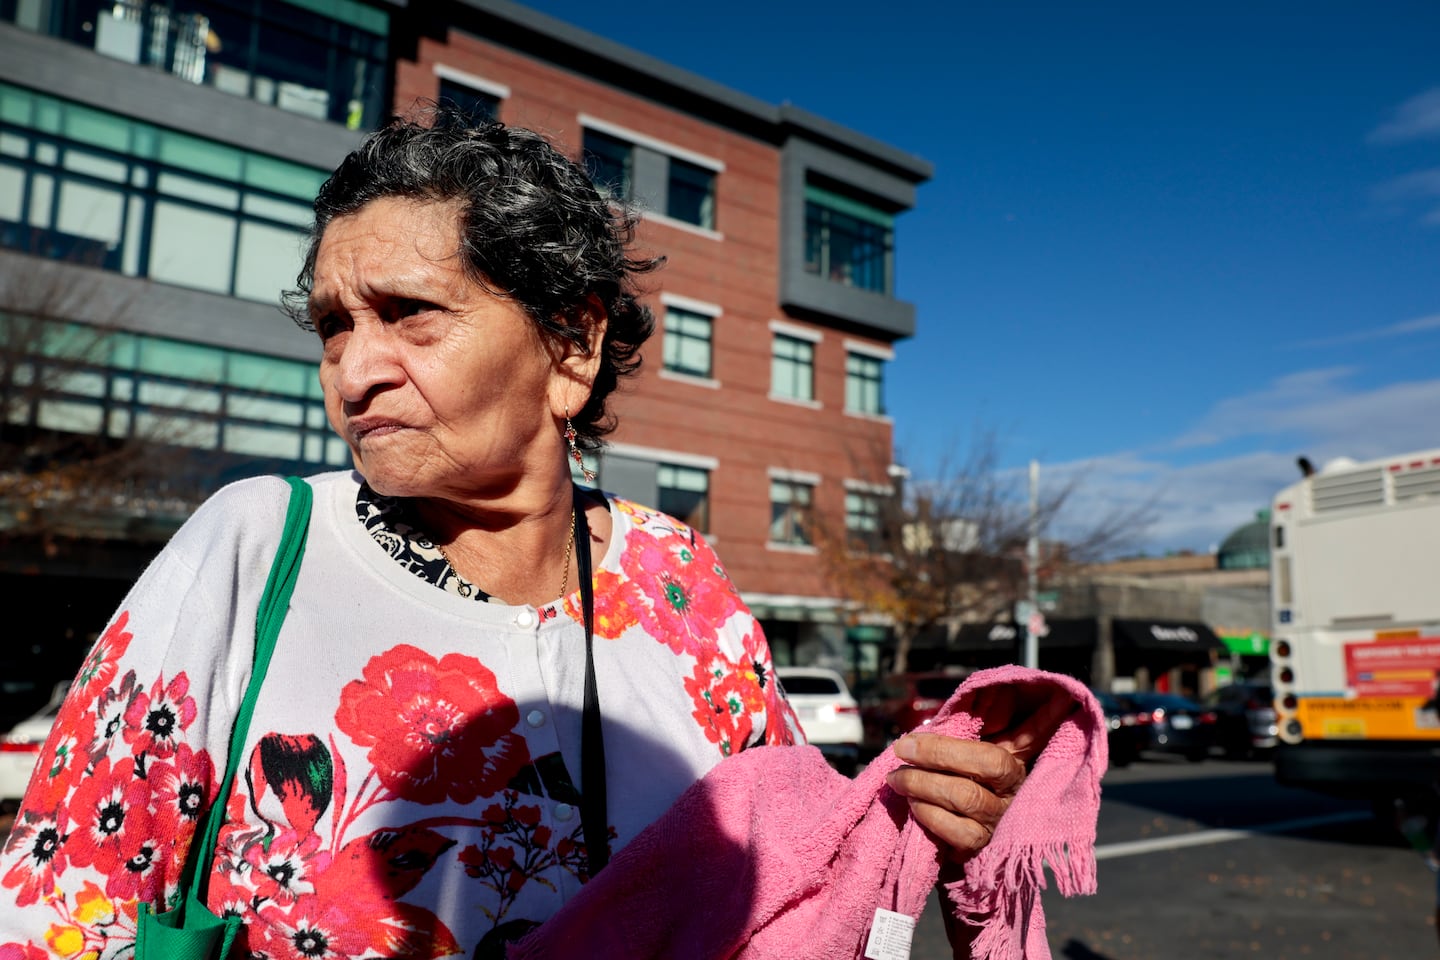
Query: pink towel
point(775, 855)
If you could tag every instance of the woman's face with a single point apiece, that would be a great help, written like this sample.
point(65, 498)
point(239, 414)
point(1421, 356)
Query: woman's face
point(440, 388)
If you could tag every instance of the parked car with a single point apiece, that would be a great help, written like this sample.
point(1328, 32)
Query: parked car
point(1127, 727)
point(1244, 718)
point(904, 701)
point(20, 748)
point(828, 713)
point(1177, 724)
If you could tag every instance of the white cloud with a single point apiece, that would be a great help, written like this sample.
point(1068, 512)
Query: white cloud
point(1402, 329)
point(1416, 119)
point(1404, 193)
point(1317, 413)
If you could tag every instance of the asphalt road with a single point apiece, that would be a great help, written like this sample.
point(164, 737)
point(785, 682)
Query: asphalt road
point(1212, 860)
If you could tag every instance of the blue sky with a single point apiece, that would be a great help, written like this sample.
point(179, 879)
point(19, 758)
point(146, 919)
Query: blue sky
point(1166, 249)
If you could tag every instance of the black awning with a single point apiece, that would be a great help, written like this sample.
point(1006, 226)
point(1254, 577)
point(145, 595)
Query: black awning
point(998, 636)
point(1168, 635)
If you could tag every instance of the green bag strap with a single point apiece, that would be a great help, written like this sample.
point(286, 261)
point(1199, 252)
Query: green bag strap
point(273, 605)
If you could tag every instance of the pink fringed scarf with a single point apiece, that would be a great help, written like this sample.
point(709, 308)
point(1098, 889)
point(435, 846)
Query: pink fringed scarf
point(775, 855)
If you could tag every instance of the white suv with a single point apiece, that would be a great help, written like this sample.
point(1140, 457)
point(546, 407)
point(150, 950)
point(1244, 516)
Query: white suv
point(828, 713)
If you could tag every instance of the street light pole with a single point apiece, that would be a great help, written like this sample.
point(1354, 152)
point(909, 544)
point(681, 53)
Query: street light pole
point(1032, 562)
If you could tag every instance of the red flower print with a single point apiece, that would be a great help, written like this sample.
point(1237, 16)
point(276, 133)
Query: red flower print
point(108, 718)
point(434, 729)
point(61, 763)
point(154, 721)
point(386, 864)
point(688, 594)
point(781, 725)
point(618, 605)
point(40, 842)
point(110, 810)
point(180, 791)
point(21, 951)
point(104, 659)
point(291, 779)
point(343, 926)
point(722, 699)
point(285, 868)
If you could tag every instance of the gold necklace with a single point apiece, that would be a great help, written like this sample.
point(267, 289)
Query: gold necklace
point(569, 551)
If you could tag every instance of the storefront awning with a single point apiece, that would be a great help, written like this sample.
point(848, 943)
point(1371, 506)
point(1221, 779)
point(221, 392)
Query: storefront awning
point(1175, 637)
point(993, 636)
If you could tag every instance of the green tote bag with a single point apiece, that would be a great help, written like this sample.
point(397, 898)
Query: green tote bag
point(189, 931)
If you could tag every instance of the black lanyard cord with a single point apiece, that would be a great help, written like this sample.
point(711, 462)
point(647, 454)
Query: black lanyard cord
point(594, 816)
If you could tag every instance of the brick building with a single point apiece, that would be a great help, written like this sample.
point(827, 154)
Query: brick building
point(759, 416)
point(156, 164)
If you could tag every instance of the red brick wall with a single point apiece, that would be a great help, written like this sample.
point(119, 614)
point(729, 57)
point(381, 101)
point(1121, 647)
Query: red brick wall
point(737, 424)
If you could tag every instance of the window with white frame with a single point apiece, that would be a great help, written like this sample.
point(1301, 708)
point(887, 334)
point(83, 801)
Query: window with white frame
point(790, 502)
point(684, 493)
point(479, 104)
point(687, 342)
point(864, 380)
point(668, 181)
point(792, 368)
point(863, 520)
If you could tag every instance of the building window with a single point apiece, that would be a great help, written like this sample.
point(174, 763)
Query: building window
point(792, 368)
point(790, 512)
point(322, 58)
point(690, 196)
point(639, 170)
point(847, 241)
point(610, 162)
point(684, 493)
point(864, 377)
point(477, 103)
point(687, 342)
point(95, 188)
point(862, 520)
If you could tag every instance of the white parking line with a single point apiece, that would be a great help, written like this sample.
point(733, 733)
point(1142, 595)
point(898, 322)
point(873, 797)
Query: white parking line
point(1110, 851)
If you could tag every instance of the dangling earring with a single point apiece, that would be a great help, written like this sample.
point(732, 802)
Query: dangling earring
point(575, 454)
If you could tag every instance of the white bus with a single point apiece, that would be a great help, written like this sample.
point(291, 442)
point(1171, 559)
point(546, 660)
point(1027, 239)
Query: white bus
point(1355, 642)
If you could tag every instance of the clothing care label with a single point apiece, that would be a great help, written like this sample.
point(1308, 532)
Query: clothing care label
point(890, 936)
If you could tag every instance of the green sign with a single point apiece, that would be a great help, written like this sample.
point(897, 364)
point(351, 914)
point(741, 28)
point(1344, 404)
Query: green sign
point(1251, 645)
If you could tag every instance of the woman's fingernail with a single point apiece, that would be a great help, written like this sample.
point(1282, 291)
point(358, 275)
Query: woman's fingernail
point(905, 749)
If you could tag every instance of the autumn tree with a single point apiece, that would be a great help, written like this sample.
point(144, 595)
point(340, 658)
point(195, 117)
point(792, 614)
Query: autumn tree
point(950, 548)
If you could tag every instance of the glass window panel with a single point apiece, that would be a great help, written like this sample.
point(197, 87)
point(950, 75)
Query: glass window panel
point(134, 231)
point(315, 418)
point(70, 416)
point(119, 424)
point(262, 441)
point(198, 190)
point(476, 103)
point(174, 359)
point(16, 105)
point(791, 368)
point(14, 145)
point(280, 176)
point(254, 372)
point(41, 197)
point(295, 213)
point(97, 128)
point(82, 382)
point(268, 262)
point(260, 408)
point(691, 194)
point(684, 494)
point(315, 449)
point(336, 452)
point(47, 153)
point(122, 388)
point(180, 431)
point(101, 167)
point(48, 115)
point(686, 346)
point(94, 212)
point(789, 507)
point(192, 248)
point(863, 382)
point(609, 161)
point(198, 399)
point(12, 192)
point(202, 156)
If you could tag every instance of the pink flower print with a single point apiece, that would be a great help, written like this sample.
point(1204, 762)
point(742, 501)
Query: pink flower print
point(284, 869)
point(689, 595)
point(40, 841)
point(103, 662)
point(108, 718)
point(155, 721)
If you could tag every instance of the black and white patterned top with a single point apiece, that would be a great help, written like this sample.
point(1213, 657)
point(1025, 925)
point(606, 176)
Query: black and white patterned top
point(392, 524)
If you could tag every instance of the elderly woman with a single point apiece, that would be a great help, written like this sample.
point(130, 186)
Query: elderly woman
point(422, 773)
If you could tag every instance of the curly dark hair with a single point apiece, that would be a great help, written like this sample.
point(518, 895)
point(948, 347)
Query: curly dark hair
point(533, 229)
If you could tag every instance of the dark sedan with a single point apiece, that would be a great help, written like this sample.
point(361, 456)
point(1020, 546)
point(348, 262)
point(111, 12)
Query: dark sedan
point(1177, 724)
point(1126, 733)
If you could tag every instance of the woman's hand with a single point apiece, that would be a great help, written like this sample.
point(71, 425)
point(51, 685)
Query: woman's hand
point(959, 789)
